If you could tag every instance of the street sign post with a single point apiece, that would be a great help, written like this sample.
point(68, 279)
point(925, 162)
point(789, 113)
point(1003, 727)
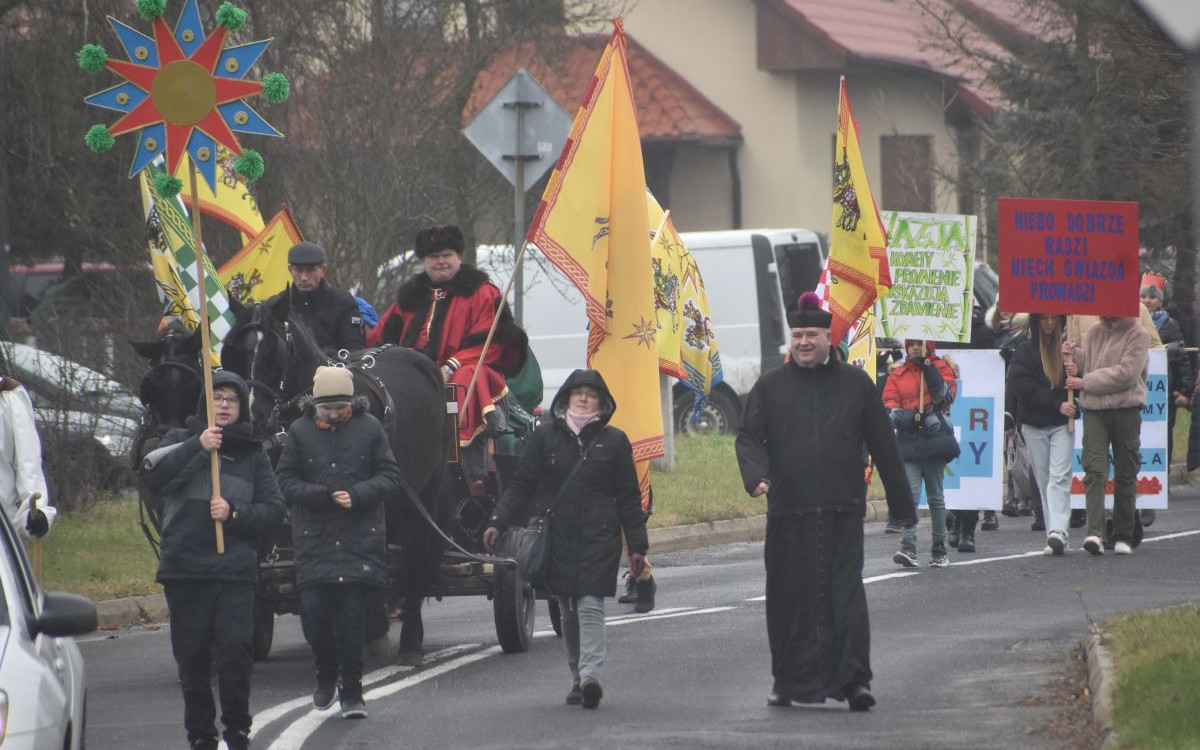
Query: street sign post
point(520, 131)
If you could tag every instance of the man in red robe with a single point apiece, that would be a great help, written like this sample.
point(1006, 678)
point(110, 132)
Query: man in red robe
point(445, 312)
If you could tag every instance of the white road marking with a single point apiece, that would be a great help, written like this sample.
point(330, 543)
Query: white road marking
point(297, 733)
point(1176, 535)
point(959, 562)
point(667, 616)
point(872, 579)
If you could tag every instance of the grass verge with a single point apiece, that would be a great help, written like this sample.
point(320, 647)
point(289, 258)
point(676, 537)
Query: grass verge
point(1156, 703)
point(704, 486)
point(99, 552)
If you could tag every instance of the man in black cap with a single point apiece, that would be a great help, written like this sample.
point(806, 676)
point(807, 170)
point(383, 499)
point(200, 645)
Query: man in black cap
point(332, 315)
point(800, 443)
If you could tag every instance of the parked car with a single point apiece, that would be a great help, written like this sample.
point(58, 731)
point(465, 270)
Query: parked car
point(87, 421)
point(43, 696)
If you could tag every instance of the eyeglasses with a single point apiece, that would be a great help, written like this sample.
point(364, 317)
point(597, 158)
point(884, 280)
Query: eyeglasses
point(226, 400)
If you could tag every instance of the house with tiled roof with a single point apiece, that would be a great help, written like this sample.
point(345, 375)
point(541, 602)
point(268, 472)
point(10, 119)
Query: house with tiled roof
point(772, 67)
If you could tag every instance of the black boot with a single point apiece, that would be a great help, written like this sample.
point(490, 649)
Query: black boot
point(990, 522)
point(630, 594)
point(645, 595)
point(1078, 518)
point(952, 524)
point(966, 542)
point(967, 520)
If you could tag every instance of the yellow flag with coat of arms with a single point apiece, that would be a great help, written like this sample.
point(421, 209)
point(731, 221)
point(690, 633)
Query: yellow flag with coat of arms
point(259, 271)
point(592, 224)
point(858, 264)
point(687, 342)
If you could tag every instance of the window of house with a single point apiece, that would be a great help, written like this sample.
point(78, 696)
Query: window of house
point(907, 164)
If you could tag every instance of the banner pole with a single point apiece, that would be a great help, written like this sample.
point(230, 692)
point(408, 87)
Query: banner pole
point(206, 347)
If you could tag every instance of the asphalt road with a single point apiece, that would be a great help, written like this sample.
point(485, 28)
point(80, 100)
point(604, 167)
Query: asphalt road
point(958, 653)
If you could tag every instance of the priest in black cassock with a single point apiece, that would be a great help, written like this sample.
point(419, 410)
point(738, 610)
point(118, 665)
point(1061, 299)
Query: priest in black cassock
point(807, 428)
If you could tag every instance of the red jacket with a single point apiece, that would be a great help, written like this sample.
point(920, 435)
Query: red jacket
point(903, 387)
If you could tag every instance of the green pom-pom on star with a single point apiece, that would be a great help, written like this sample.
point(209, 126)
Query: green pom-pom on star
point(250, 165)
point(276, 87)
point(167, 186)
point(98, 139)
point(92, 57)
point(151, 9)
point(230, 16)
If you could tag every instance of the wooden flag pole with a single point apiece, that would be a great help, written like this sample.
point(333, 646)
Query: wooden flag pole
point(495, 321)
point(37, 540)
point(206, 347)
point(1071, 392)
point(921, 392)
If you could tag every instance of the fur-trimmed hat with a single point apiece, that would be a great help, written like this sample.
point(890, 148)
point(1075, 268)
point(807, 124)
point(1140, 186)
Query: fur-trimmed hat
point(307, 254)
point(436, 239)
point(808, 313)
point(333, 385)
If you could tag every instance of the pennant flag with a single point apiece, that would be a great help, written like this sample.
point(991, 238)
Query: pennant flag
point(592, 224)
point(260, 269)
point(173, 255)
point(687, 343)
point(858, 265)
point(231, 201)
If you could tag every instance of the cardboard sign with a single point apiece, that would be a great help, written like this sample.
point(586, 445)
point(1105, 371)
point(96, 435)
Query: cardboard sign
point(1068, 257)
point(1152, 476)
point(973, 481)
point(931, 257)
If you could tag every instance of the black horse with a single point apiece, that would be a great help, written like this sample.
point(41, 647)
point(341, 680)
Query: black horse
point(405, 392)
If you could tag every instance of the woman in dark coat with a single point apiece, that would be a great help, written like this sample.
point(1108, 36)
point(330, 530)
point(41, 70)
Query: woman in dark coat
point(591, 505)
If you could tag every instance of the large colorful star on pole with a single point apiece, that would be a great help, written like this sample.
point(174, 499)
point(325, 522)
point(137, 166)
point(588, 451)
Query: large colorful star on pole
point(184, 91)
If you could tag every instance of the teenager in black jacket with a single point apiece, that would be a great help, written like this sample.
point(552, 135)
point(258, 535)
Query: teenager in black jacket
point(211, 596)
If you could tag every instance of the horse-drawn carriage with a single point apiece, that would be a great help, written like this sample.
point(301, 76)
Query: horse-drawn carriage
point(434, 529)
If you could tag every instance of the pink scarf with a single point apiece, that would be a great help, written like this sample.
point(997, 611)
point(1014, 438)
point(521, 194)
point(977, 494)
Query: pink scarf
point(578, 421)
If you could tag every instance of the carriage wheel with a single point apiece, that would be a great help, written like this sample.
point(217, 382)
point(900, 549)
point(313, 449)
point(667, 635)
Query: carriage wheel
point(512, 600)
point(264, 626)
point(555, 615)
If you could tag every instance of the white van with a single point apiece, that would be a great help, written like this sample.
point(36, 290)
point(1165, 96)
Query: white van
point(752, 276)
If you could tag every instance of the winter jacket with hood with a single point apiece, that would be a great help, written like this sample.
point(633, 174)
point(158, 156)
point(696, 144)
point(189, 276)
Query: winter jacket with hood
point(1035, 402)
point(335, 544)
point(179, 473)
point(603, 497)
point(1112, 362)
point(932, 438)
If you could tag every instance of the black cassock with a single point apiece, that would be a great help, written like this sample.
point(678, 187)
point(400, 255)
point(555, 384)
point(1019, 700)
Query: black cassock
point(806, 431)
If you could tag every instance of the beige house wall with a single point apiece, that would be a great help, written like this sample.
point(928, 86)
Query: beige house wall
point(787, 119)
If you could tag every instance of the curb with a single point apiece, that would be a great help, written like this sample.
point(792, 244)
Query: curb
point(1102, 678)
point(116, 614)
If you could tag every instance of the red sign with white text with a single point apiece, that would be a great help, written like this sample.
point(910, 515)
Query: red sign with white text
point(1068, 257)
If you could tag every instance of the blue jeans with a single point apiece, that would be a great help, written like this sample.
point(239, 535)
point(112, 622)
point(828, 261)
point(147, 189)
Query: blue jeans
point(334, 619)
point(931, 472)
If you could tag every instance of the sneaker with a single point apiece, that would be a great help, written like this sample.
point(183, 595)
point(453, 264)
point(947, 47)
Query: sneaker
point(591, 692)
point(905, 557)
point(575, 697)
point(778, 700)
point(1009, 509)
point(630, 595)
point(1047, 550)
point(237, 740)
point(354, 708)
point(1094, 546)
point(938, 559)
point(990, 522)
point(323, 696)
point(1037, 525)
point(645, 595)
point(893, 527)
point(1056, 542)
point(1122, 548)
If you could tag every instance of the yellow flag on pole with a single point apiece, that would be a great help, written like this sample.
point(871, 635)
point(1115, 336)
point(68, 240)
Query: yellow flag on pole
point(231, 203)
point(687, 342)
point(858, 265)
point(260, 269)
point(592, 224)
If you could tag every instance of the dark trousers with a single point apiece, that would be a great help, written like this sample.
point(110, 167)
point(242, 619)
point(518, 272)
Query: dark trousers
point(212, 624)
point(1120, 429)
point(333, 616)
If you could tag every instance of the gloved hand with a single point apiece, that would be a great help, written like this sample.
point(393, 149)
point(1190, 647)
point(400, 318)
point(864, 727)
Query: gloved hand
point(918, 361)
point(490, 535)
point(37, 524)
